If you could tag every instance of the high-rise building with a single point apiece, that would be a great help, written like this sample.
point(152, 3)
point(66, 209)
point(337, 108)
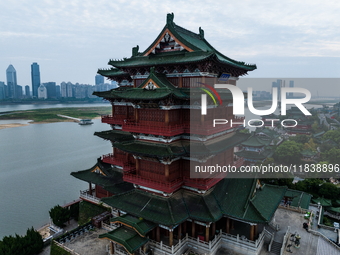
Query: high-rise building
point(19, 92)
point(11, 76)
point(51, 89)
point(42, 92)
point(27, 91)
point(35, 76)
point(278, 85)
point(63, 90)
point(2, 90)
point(58, 91)
point(291, 85)
point(99, 79)
point(69, 89)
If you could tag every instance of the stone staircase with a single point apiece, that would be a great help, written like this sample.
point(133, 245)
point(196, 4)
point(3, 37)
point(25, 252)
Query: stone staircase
point(325, 248)
point(276, 248)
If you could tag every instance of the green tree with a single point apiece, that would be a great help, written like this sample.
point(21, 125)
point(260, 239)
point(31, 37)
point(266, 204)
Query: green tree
point(332, 134)
point(329, 190)
point(59, 215)
point(289, 152)
point(30, 244)
point(299, 139)
point(332, 156)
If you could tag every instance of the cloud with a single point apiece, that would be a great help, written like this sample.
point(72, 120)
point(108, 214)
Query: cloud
point(84, 31)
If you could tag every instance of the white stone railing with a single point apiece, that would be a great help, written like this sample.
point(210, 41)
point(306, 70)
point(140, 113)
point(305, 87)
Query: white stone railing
point(86, 195)
point(324, 237)
point(211, 245)
point(293, 208)
point(284, 243)
point(332, 215)
point(108, 227)
point(66, 248)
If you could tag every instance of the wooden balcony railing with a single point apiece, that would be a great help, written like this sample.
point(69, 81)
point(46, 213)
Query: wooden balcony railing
point(114, 120)
point(155, 129)
point(114, 159)
point(167, 187)
point(204, 183)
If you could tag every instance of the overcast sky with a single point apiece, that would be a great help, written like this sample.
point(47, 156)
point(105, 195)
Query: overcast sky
point(71, 39)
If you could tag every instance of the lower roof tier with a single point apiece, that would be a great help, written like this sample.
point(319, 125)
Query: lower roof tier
point(237, 198)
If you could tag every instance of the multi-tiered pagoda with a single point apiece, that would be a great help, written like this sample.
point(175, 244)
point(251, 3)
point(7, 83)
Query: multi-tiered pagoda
point(159, 137)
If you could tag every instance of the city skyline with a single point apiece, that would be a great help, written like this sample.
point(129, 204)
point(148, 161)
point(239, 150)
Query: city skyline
point(290, 39)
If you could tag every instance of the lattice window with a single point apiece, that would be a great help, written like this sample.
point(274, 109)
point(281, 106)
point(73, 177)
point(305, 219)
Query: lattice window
point(151, 167)
point(138, 82)
point(174, 116)
point(152, 115)
point(120, 110)
point(131, 111)
point(174, 80)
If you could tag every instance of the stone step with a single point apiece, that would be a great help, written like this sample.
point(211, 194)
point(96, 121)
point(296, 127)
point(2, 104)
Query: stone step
point(276, 248)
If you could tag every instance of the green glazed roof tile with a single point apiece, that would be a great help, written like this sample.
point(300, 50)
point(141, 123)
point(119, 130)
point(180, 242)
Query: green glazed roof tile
point(138, 224)
point(126, 237)
point(232, 197)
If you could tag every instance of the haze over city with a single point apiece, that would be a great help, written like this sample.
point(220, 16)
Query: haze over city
point(70, 40)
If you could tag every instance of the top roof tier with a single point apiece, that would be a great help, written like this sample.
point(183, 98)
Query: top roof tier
point(176, 48)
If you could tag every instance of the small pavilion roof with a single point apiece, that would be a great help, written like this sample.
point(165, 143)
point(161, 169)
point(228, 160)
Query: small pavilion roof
point(334, 209)
point(322, 201)
point(254, 154)
point(308, 153)
point(256, 141)
point(126, 237)
point(269, 133)
point(299, 198)
point(141, 226)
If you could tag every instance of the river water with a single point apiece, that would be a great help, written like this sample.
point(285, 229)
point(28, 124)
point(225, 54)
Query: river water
point(36, 162)
point(35, 166)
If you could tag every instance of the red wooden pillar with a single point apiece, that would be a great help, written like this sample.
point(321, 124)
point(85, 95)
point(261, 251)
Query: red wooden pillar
point(167, 172)
point(171, 237)
point(193, 230)
point(90, 188)
point(166, 118)
point(185, 227)
point(252, 232)
point(207, 228)
point(158, 234)
point(213, 229)
point(137, 166)
point(179, 231)
point(228, 226)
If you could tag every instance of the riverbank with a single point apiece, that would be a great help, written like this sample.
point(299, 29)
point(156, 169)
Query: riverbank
point(50, 115)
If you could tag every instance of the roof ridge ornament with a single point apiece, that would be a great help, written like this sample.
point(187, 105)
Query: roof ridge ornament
point(135, 51)
point(201, 33)
point(170, 18)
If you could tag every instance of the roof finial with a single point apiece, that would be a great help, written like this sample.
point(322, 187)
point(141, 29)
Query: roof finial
point(152, 70)
point(201, 33)
point(170, 18)
point(135, 51)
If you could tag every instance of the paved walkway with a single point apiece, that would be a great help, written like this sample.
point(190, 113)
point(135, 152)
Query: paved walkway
point(310, 244)
point(73, 224)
